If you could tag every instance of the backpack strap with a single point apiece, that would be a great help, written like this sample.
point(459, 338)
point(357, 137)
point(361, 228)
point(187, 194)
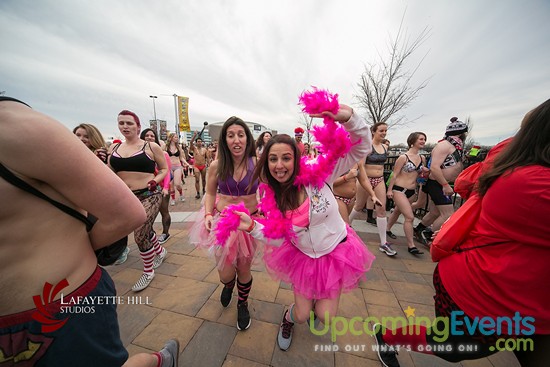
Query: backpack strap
point(16, 181)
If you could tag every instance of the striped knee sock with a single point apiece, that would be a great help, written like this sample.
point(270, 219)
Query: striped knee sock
point(147, 257)
point(244, 291)
point(156, 245)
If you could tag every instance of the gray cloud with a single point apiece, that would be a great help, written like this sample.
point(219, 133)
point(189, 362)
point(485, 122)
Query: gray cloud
point(85, 61)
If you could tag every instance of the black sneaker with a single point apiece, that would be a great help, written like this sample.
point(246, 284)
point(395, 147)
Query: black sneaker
point(227, 294)
point(427, 236)
point(386, 353)
point(243, 316)
point(418, 235)
point(371, 221)
point(198, 196)
point(391, 235)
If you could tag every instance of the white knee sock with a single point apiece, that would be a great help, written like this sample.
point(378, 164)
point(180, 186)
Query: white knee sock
point(382, 224)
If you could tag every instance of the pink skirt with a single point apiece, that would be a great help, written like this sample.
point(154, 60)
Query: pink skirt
point(240, 247)
point(325, 277)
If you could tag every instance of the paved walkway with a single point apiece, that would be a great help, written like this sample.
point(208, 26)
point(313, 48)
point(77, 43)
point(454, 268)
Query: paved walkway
point(183, 302)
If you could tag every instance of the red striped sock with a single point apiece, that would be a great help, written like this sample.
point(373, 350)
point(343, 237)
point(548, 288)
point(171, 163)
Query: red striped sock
point(156, 245)
point(147, 257)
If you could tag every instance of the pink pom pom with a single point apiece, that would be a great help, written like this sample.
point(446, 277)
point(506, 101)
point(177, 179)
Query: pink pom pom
point(333, 139)
point(229, 222)
point(319, 100)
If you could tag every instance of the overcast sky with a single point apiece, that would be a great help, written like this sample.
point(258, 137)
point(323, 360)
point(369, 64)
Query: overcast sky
point(84, 61)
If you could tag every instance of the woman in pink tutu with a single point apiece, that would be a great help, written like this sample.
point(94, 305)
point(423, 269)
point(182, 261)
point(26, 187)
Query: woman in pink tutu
point(231, 174)
point(308, 244)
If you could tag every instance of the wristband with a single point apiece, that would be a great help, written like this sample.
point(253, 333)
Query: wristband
point(207, 214)
point(447, 184)
point(152, 185)
point(345, 179)
point(252, 225)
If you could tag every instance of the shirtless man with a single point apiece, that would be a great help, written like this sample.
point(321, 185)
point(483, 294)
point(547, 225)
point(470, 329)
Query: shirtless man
point(41, 243)
point(200, 154)
point(445, 166)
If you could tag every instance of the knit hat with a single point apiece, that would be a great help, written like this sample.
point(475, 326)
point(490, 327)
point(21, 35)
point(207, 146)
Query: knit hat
point(456, 127)
point(298, 131)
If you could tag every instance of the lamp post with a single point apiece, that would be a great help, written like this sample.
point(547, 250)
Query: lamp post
point(155, 114)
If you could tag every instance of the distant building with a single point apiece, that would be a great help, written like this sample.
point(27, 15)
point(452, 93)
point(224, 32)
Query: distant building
point(256, 129)
point(188, 135)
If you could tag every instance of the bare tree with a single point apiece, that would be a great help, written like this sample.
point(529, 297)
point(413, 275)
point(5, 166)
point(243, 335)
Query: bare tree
point(308, 123)
point(385, 88)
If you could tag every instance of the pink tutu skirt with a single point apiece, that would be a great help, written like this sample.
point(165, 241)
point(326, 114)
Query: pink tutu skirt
point(240, 247)
point(324, 277)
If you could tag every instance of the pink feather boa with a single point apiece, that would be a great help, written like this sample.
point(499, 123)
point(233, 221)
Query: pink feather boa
point(229, 222)
point(334, 143)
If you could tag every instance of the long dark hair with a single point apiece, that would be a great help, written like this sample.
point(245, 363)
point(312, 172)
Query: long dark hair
point(225, 162)
point(530, 146)
point(142, 135)
point(260, 142)
point(286, 194)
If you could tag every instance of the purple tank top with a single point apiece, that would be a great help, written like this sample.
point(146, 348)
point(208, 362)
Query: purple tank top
point(234, 188)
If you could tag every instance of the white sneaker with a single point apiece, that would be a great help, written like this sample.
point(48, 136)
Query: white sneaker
point(143, 282)
point(172, 202)
point(387, 249)
point(182, 198)
point(160, 258)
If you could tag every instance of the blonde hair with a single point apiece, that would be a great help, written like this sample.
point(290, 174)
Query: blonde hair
point(94, 136)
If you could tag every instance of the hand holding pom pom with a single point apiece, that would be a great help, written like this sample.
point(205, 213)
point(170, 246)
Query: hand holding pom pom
point(230, 220)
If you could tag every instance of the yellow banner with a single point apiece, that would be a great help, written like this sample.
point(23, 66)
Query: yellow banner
point(183, 113)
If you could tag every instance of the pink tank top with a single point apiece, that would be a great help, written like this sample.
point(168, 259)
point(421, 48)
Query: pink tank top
point(299, 216)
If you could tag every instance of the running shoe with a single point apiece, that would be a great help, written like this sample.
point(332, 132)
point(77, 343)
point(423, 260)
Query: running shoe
point(227, 294)
point(170, 353)
point(391, 235)
point(386, 353)
point(371, 221)
point(387, 249)
point(123, 256)
point(172, 202)
point(164, 237)
point(284, 338)
point(243, 316)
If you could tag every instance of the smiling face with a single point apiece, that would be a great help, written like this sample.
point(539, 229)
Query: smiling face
point(236, 140)
point(82, 134)
point(381, 131)
point(281, 162)
point(267, 136)
point(149, 136)
point(420, 142)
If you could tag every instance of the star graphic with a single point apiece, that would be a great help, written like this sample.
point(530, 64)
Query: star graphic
point(410, 311)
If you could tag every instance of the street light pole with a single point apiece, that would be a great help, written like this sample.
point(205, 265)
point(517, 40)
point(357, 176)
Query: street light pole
point(155, 114)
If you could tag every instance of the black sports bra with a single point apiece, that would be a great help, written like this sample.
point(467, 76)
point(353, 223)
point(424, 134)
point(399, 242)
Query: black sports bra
point(176, 154)
point(138, 162)
point(89, 221)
